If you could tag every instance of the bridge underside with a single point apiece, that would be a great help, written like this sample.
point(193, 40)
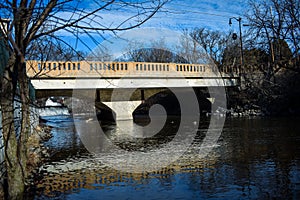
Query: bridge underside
point(100, 95)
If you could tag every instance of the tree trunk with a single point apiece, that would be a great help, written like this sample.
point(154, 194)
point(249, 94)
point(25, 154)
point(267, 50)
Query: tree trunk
point(25, 123)
point(15, 175)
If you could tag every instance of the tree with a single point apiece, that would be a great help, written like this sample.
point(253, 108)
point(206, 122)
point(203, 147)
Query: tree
point(271, 51)
point(156, 51)
point(274, 27)
point(47, 49)
point(190, 49)
point(231, 55)
point(33, 21)
point(213, 42)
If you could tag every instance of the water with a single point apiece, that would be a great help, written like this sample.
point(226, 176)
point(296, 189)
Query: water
point(255, 158)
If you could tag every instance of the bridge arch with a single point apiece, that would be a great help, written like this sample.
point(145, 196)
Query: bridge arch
point(169, 101)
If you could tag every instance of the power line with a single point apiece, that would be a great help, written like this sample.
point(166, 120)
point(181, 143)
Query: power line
point(173, 6)
point(175, 11)
point(196, 19)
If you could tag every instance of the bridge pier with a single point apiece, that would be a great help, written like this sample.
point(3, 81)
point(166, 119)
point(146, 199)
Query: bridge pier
point(123, 109)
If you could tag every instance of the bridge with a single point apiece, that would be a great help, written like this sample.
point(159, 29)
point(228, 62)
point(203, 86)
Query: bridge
point(50, 77)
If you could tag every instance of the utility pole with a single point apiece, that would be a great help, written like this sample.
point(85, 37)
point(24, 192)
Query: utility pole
point(272, 42)
point(241, 39)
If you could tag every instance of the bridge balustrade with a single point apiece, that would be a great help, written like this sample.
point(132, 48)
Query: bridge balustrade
point(51, 69)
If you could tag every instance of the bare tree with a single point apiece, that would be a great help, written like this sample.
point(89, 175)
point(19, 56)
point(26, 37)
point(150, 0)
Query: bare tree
point(33, 20)
point(156, 51)
point(190, 49)
point(47, 49)
point(274, 27)
point(271, 51)
point(274, 32)
point(213, 42)
point(231, 54)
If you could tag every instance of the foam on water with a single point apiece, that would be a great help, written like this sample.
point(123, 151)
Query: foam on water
point(53, 111)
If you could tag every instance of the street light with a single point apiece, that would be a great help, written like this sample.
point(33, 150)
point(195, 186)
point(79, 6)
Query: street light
point(241, 41)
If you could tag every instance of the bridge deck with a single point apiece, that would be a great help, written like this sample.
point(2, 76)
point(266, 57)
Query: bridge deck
point(90, 75)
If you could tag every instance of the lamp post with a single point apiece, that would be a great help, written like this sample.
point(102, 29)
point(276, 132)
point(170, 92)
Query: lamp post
point(241, 41)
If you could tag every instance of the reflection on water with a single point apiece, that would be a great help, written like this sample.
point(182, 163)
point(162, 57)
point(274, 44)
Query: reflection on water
point(254, 158)
point(65, 142)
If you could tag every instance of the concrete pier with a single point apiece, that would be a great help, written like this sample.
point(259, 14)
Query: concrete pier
point(123, 109)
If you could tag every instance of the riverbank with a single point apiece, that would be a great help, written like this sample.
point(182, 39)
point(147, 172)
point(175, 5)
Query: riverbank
point(243, 102)
point(37, 153)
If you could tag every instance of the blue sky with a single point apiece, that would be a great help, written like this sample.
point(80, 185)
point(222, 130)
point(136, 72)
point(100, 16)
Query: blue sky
point(212, 14)
point(187, 14)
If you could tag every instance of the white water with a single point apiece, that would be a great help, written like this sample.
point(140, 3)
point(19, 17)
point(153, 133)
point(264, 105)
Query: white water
point(53, 111)
point(49, 102)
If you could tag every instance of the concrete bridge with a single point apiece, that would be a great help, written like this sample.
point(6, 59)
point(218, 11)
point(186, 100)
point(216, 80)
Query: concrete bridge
point(57, 78)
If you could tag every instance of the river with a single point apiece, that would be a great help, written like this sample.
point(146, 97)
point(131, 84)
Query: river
point(254, 158)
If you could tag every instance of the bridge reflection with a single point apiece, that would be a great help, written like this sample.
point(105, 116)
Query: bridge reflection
point(52, 184)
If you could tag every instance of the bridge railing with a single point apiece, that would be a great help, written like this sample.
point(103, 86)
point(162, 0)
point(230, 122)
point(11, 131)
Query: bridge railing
point(50, 69)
